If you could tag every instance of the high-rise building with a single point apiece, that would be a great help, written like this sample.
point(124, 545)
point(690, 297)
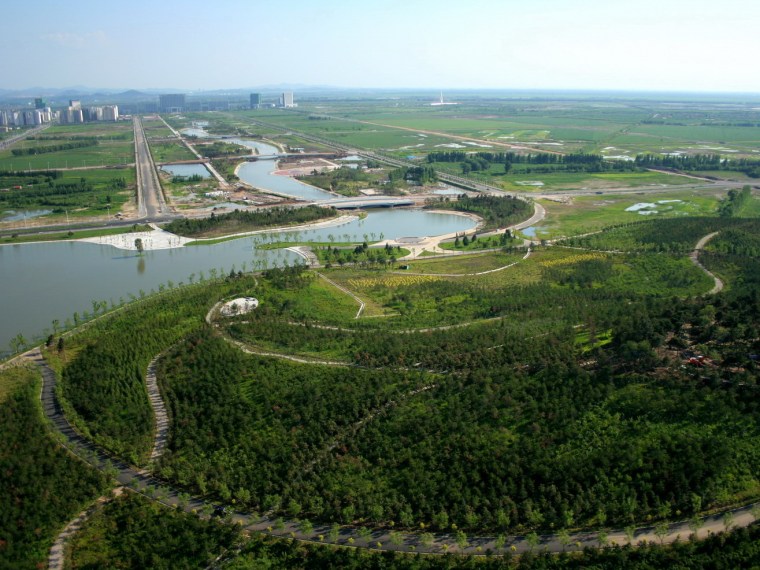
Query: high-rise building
point(75, 104)
point(255, 100)
point(39, 103)
point(111, 113)
point(287, 99)
point(171, 103)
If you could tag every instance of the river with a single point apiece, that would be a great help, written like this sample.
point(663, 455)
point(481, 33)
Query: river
point(45, 281)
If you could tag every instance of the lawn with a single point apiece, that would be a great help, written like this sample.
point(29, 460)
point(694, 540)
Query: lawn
point(75, 193)
point(592, 213)
point(71, 235)
point(462, 264)
point(163, 152)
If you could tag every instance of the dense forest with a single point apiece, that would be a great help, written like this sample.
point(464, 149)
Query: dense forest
point(103, 386)
point(241, 220)
point(132, 532)
point(42, 486)
point(497, 211)
point(675, 235)
point(570, 402)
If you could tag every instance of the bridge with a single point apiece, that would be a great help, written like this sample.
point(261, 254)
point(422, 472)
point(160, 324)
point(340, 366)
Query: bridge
point(366, 202)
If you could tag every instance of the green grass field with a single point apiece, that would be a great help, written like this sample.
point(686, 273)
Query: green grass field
point(110, 189)
point(170, 152)
point(72, 235)
point(591, 213)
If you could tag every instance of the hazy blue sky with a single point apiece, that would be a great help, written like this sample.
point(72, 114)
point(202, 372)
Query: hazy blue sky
point(696, 45)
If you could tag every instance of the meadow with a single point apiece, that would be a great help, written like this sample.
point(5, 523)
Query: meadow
point(113, 145)
point(72, 193)
point(582, 214)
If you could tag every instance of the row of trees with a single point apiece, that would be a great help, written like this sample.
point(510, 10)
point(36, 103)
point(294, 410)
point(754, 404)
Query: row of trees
point(698, 162)
point(420, 175)
point(734, 202)
point(547, 162)
point(30, 151)
point(240, 220)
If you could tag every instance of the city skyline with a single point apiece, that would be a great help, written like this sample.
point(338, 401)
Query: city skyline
point(547, 44)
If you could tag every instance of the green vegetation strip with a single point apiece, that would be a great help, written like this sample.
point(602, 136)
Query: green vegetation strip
point(71, 234)
point(241, 221)
point(42, 486)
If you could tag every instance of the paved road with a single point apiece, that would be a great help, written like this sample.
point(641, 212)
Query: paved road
point(139, 480)
point(150, 196)
point(21, 136)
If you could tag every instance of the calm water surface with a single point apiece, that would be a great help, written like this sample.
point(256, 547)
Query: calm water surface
point(45, 281)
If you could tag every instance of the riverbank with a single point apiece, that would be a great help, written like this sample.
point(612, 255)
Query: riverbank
point(158, 239)
point(278, 172)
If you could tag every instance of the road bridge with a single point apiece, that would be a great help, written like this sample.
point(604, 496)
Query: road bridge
point(366, 202)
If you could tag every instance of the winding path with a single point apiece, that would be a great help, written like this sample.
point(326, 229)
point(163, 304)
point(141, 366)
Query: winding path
point(143, 482)
point(694, 256)
point(159, 411)
point(57, 554)
point(347, 292)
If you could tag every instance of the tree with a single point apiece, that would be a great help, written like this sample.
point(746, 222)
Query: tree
point(630, 533)
point(139, 245)
point(426, 539)
point(18, 342)
point(661, 530)
point(396, 538)
point(533, 540)
point(365, 533)
point(441, 520)
point(695, 523)
point(728, 520)
point(564, 538)
point(306, 527)
point(461, 539)
point(294, 508)
point(334, 533)
point(61, 344)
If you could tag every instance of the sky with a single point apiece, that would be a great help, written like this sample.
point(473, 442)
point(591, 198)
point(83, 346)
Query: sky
point(643, 45)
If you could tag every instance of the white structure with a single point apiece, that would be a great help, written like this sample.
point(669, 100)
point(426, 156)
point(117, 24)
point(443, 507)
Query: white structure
point(441, 102)
point(111, 113)
point(286, 100)
point(239, 306)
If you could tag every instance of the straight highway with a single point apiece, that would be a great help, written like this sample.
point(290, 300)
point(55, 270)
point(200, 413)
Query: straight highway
point(150, 197)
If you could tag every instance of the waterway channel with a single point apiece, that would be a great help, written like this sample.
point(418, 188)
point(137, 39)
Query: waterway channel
point(41, 282)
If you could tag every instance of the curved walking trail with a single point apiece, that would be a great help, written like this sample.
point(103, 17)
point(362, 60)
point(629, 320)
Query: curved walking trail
point(694, 256)
point(486, 272)
point(347, 292)
point(159, 411)
point(143, 482)
point(57, 555)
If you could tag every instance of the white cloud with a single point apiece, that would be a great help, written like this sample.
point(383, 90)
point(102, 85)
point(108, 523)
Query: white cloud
point(74, 40)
